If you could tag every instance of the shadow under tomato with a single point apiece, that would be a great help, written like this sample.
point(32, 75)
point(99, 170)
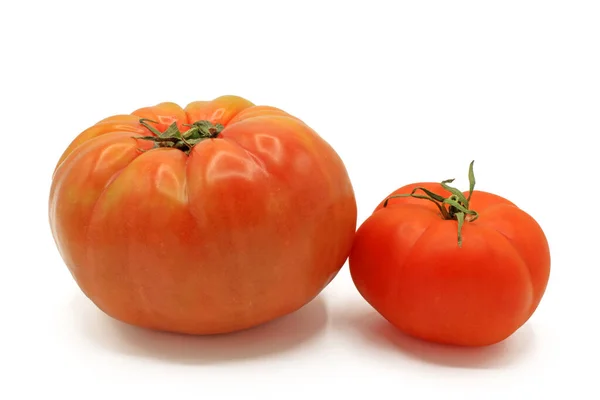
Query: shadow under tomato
point(283, 334)
point(378, 332)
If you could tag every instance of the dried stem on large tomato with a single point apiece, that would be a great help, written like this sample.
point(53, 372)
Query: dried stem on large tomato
point(173, 137)
point(455, 207)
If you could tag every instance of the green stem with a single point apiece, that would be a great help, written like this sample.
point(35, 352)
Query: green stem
point(173, 137)
point(455, 207)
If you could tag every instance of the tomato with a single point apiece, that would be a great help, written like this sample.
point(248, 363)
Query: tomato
point(212, 218)
point(460, 268)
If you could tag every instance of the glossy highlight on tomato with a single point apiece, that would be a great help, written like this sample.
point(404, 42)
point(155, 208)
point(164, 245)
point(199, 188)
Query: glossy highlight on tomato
point(460, 268)
point(207, 219)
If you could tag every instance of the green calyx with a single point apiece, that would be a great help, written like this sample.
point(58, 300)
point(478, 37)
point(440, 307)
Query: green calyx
point(455, 207)
point(172, 137)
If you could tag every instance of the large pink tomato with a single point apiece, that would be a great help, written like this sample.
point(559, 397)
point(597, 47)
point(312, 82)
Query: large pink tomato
point(206, 219)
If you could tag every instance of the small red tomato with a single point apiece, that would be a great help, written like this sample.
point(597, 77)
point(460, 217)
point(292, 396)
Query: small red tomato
point(463, 268)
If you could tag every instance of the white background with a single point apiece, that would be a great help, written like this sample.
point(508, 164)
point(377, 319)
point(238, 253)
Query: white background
point(404, 91)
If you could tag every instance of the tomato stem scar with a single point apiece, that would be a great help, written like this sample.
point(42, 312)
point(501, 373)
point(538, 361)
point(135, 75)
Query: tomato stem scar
point(455, 207)
point(174, 138)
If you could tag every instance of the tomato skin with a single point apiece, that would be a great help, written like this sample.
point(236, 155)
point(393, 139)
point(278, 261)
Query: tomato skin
point(248, 227)
point(406, 263)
